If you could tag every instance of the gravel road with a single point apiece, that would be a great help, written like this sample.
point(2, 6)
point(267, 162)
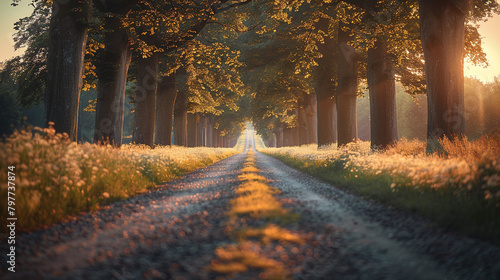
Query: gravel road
point(173, 232)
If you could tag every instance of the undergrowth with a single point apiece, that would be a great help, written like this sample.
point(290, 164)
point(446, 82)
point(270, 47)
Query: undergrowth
point(458, 188)
point(56, 178)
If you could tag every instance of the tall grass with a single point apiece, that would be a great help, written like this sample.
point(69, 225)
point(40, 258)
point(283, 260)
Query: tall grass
point(458, 188)
point(56, 178)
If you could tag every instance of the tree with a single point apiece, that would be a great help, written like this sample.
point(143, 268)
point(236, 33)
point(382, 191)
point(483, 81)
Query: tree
point(381, 84)
point(443, 32)
point(145, 100)
point(443, 40)
point(325, 88)
point(181, 109)
point(347, 88)
point(67, 41)
point(308, 119)
point(165, 101)
point(112, 70)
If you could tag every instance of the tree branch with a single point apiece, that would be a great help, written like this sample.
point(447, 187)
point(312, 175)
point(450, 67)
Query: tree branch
point(217, 8)
point(236, 29)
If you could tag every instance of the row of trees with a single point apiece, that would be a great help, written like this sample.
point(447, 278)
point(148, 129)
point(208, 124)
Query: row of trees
point(301, 63)
point(159, 50)
point(353, 45)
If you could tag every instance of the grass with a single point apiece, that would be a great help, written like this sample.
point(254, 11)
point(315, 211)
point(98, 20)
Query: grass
point(56, 178)
point(458, 189)
point(233, 258)
point(255, 199)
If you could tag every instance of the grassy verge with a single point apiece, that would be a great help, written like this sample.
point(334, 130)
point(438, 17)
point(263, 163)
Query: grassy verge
point(459, 189)
point(255, 199)
point(56, 178)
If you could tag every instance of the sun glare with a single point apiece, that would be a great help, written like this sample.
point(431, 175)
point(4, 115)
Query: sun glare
point(491, 44)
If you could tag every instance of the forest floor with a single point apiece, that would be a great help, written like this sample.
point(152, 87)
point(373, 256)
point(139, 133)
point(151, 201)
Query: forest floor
point(185, 230)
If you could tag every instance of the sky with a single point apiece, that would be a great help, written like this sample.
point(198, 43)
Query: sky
point(488, 30)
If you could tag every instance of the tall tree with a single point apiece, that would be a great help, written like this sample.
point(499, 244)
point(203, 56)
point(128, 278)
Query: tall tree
point(382, 87)
point(68, 37)
point(165, 101)
point(181, 110)
point(192, 129)
point(112, 68)
point(145, 99)
point(443, 41)
point(347, 88)
point(307, 119)
point(325, 88)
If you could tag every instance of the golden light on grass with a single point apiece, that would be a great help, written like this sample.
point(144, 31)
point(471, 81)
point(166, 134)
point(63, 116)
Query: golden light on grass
point(252, 177)
point(255, 198)
point(239, 258)
point(249, 164)
point(272, 232)
point(458, 188)
point(251, 187)
point(249, 169)
point(464, 165)
point(57, 178)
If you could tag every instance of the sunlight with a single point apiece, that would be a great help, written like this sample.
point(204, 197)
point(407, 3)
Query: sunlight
point(491, 44)
point(465, 165)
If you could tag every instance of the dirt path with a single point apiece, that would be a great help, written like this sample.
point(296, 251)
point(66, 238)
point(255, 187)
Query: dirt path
point(173, 233)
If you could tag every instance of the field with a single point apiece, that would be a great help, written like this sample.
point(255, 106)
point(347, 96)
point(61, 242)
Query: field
point(56, 178)
point(458, 188)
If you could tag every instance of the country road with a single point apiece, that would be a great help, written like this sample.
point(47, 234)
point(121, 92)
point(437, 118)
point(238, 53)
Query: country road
point(174, 232)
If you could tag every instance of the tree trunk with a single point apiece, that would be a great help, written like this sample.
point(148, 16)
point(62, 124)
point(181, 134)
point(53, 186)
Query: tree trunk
point(192, 127)
point(210, 131)
point(278, 130)
point(287, 137)
point(325, 89)
point(295, 136)
point(224, 141)
point(165, 101)
point(327, 122)
point(201, 132)
point(67, 42)
point(180, 111)
point(311, 118)
point(442, 32)
point(382, 87)
point(215, 138)
point(347, 122)
point(301, 117)
point(145, 100)
point(221, 141)
point(112, 73)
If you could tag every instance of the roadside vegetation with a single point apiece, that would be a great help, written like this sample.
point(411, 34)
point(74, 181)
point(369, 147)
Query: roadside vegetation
point(56, 178)
point(458, 188)
point(255, 201)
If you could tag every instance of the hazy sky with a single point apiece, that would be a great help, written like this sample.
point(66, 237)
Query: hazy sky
point(489, 30)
